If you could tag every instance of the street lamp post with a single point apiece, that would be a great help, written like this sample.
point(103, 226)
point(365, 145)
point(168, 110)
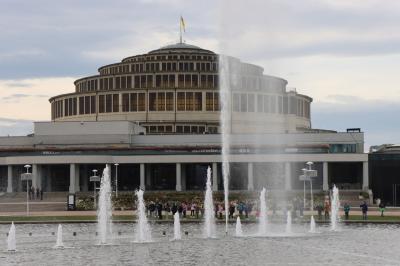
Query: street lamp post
point(304, 187)
point(94, 178)
point(27, 166)
point(116, 179)
point(310, 173)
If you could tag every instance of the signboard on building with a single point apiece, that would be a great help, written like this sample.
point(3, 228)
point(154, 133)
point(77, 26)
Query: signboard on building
point(95, 178)
point(26, 176)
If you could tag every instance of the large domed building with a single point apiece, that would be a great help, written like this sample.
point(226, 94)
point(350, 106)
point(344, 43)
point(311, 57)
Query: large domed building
point(156, 119)
point(175, 90)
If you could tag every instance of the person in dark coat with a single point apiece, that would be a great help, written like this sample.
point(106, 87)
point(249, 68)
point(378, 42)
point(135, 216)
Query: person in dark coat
point(159, 210)
point(174, 208)
point(364, 209)
point(231, 210)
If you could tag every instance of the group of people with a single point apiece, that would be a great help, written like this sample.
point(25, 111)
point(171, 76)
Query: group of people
point(346, 209)
point(156, 209)
point(195, 209)
point(35, 193)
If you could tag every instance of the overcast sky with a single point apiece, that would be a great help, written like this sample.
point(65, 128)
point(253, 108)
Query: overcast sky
point(345, 54)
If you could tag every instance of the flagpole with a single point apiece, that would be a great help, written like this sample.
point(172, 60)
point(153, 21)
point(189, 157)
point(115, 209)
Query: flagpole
point(180, 30)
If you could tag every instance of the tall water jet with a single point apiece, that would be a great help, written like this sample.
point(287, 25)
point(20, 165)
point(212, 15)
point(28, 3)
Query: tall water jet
point(335, 205)
point(312, 224)
point(225, 118)
point(11, 242)
point(177, 227)
point(143, 232)
point(104, 209)
point(59, 242)
point(239, 231)
point(209, 215)
point(263, 221)
point(289, 222)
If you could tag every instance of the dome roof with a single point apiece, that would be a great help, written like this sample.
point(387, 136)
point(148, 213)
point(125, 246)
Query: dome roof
point(180, 46)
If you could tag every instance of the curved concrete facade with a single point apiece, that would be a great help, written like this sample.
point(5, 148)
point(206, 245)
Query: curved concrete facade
point(175, 90)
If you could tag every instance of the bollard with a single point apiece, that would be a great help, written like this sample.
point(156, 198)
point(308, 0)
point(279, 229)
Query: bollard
point(164, 233)
point(74, 233)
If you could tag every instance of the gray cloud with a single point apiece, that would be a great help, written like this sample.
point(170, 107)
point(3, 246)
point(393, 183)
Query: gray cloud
point(18, 84)
point(16, 97)
point(15, 127)
point(50, 38)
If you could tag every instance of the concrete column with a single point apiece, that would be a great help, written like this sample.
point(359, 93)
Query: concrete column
point(72, 179)
point(325, 181)
point(288, 176)
point(365, 184)
point(214, 176)
point(77, 178)
point(178, 177)
point(9, 179)
point(142, 177)
point(35, 174)
point(250, 177)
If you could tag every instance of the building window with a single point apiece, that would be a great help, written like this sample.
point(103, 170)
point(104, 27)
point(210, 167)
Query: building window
point(169, 101)
point(92, 104)
point(280, 104)
point(236, 102)
point(152, 101)
point(115, 103)
point(266, 104)
point(195, 81)
point(125, 102)
point(198, 101)
point(161, 101)
point(216, 101)
point(181, 81)
point(189, 101)
point(108, 103)
point(134, 103)
point(141, 102)
point(259, 103)
point(209, 101)
point(181, 101)
point(243, 103)
point(74, 105)
point(87, 104)
point(250, 103)
point(273, 104)
point(66, 113)
point(81, 105)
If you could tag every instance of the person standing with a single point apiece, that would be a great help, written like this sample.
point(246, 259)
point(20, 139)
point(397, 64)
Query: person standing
point(327, 208)
point(364, 209)
point(346, 209)
point(382, 208)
